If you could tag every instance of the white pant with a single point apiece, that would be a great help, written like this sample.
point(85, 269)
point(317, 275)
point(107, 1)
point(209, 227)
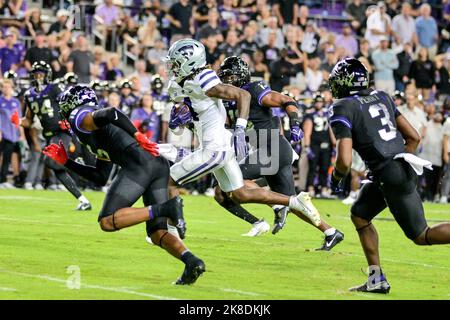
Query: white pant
point(222, 164)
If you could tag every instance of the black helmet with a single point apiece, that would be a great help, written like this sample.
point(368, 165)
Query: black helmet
point(41, 67)
point(348, 77)
point(70, 79)
point(75, 97)
point(399, 95)
point(157, 84)
point(96, 85)
point(11, 74)
point(235, 71)
point(125, 83)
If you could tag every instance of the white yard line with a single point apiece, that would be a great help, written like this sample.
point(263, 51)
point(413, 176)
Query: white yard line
point(31, 198)
point(7, 289)
point(240, 292)
point(6, 218)
point(88, 286)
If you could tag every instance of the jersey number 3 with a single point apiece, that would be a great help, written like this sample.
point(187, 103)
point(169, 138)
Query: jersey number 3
point(380, 111)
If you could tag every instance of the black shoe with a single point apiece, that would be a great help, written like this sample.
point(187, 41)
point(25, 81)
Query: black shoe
point(191, 272)
point(331, 241)
point(280, 219)
point(381, 286)
point(174, 210)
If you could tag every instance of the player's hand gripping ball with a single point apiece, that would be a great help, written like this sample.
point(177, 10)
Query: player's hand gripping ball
point(180, 116)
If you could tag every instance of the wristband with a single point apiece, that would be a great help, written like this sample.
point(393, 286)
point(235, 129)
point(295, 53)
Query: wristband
point(289, 103)
point(241, 122)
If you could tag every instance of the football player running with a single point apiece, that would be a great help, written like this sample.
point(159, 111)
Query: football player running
point(40, 100)
point(199, 88)
point(368, 121)
point(112, 137)
point(265, 127)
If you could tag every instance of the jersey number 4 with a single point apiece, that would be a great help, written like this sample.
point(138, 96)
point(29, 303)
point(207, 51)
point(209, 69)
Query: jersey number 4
point(46, 108)
point(380, 111)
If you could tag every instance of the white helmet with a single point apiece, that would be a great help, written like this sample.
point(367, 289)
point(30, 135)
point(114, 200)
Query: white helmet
point(184, 57)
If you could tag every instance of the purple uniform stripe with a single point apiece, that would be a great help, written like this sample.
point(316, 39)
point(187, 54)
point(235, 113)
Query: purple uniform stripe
point(205, 74)
point(342, 120)
point(79, 118)
point(208, 165)
point(206, 170)
point(262, 94)
point(203, 85)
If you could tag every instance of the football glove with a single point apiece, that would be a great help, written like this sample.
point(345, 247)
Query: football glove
point(336, 183)
point(240, 145)
point(56, 152)
point(296, 132)
point(15, 119)
point(149, 146)
point(309, 153)
point(180, 117)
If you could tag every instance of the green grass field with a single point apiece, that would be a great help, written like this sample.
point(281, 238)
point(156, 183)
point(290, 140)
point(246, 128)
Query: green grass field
point(41, 237)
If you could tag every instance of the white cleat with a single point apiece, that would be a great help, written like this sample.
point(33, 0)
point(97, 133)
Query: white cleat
point(302, 202)
point(28, 186)
point(443, 199)
point(38, 187)
point(349, 200)
point(260, 227)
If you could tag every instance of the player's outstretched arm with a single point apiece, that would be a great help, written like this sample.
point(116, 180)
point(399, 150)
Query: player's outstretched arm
point(409, 133)
point(229, 92)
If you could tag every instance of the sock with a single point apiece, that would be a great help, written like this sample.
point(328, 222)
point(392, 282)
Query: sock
point(186, 256)
point(293, 202)
point(329, 232)
point(83, 199)
point(161, 210)
point(238, 211)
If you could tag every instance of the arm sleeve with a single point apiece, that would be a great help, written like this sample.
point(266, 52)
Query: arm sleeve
point(114, 116)
point(258, 90)
point(341, 121)
point(98, 174)
point(207, 79)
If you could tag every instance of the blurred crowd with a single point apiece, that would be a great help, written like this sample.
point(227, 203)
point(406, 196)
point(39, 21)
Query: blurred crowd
point(117, 47)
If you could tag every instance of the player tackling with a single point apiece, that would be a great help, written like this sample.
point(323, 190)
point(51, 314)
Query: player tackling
point(199, 88)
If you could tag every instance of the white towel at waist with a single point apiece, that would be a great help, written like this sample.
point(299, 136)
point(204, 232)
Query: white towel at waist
point(416, 163)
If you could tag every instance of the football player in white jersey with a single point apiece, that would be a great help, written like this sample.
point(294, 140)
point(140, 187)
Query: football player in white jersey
point(198, 88)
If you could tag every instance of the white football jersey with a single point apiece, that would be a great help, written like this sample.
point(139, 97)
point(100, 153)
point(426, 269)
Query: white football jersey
point(208, 113)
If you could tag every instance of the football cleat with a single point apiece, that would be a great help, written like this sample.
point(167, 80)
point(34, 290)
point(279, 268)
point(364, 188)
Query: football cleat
point(304, 204)
point(381, 286)
point(331, 240)
point(191, 272)
point(84, 206)
point(349, 200)
point(260, 227)
point(280, 218)
point(174, 208)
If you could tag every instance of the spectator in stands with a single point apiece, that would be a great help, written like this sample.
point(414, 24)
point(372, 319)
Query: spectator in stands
point(303, 15)
point(347, 41)
point(329, 63)
point(295, 54)
point(9, 134)
point(422, 73)
point(12, 7)
point(181, 20)
point(432, 151)
point(108, 14)
point(378, 25)
point(427, 30)
point(281, 70)
point(286, 11)
point(356, 11)
point(212, 50)
point(146, 119)
point(99, 65)
point(149, 33)
point(211, 28)
point(313, 74)
point(33, 22)
point(404, 26)
point(156, 54)
point(270, 50)
point(202, 12)
point(11, 56)
point(385, 62)
point(248, 43)
point(81, 59)
point(310, 40)
point(414, 114)
point(113, 100)
point(405, 59)
point(60, 24)
point(144, 78)
point(40, 52)
point(260, 69)
point(227, 13)
point(271, 27)
point(445, 188)
point(442, 77)
point(114, 72)
point(231, 46)
point(128, 32)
